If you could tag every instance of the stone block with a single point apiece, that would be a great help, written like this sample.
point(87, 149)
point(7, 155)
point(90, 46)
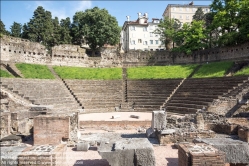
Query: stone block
point(150, 133)
point(159, 121)
point(9, 155)
point(5, 124)
point(82, 146)
point(115, 116)
point(135, 116)
point(136, 151)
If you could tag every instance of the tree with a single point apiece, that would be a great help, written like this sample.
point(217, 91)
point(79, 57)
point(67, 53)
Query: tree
point(199, 15)
point(65, 27)
point(167, 29)
point(16, 29)
point(98, 27)
point(40, 27)
point(191, 37)
point(231, 18)
point(2, 29)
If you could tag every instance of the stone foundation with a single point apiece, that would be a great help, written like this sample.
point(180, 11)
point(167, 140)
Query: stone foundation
point(43, 155)
point(176, 137)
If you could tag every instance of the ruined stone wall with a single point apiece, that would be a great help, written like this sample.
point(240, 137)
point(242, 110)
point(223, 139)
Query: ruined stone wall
point(16, 50)
point(22, 50)
point(243, 133)
point(5, 124)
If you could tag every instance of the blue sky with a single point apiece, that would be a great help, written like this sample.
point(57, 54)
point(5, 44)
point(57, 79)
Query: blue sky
point(22, 11)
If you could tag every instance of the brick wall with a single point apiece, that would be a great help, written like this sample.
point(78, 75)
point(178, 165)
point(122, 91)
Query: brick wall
point(199, 155)
point(51, 129)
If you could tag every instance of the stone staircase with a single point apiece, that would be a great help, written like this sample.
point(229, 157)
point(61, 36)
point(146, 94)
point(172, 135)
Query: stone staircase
point(149, 95)
point(97, 95)
point(196, 93)
point(42, 92)
point(174, 91)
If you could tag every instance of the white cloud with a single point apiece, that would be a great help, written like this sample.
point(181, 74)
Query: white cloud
point(82, 6)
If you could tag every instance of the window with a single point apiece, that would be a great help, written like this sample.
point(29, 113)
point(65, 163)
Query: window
point(206, 10)
point(187, 17)
point(151, 27)
point(174, 8)
point(145, 35)
point(157, 42)
point(132, 28)
point(145, 43)
point(193, 9)
point(180, 8)
point(151, 41)
point(156, 35)
point(139, 40)
point(173, 16)
point(187, 9)
point(133, 42)
point(151, 34)
point(145, 28)
point(180, 17)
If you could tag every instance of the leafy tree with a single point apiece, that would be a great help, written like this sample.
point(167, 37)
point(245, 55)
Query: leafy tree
point(2, 29)
point(76, 29)
point(65, 27)
point(97, 26)
point(56, 32)
point(25, 31)
point(199, 15)
point(16, 29)
point(167, 29)
point(231, 18)
point(191, 37)
point(40, 27)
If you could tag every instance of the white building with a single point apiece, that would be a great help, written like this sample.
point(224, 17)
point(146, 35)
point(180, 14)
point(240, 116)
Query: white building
point(138, 35)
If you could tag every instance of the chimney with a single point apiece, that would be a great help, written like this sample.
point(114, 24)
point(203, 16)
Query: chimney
point(128, 18)
point(146, 15)
point(139, 15)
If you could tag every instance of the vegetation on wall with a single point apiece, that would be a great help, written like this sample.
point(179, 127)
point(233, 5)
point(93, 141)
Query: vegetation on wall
point(34, 71)
point(160, 72)
point(213, 69)
point(4, 73)
point(88, 73)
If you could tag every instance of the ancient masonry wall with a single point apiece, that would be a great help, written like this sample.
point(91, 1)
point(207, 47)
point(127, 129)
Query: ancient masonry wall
point(21, 50)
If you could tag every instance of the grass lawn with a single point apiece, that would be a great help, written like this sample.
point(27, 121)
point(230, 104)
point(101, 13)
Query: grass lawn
point(88, 73)
point(213, 69)
point(35, 71)
point(4, 73)
point(244, 71)
point(160, 72)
